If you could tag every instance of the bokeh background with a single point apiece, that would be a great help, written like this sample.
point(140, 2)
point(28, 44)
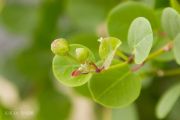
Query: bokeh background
point(28, 89)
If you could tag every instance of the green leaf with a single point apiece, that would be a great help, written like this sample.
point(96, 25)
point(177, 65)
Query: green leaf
point(63, 66)
point(176, 48)
point(171, 22)
point(107, 49)
point(115, 87)
point(121, 17)
point(167, 101)
point(128, 113)
point(140, 38)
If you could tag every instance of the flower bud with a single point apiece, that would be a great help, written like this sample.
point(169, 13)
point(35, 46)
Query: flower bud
point(82, 54)
point(60, 47)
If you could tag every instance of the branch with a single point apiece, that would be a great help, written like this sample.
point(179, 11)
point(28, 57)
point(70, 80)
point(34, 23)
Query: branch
point(160, 51)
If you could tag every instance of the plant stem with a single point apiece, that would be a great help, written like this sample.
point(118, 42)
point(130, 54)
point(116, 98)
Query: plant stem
point(121, 55)
point(172, 72)
point(154, 54)
point(166, 48)
point(160, 51)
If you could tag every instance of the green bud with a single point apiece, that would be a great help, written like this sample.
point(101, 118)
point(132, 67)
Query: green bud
point(82, 54)
point(60, 47)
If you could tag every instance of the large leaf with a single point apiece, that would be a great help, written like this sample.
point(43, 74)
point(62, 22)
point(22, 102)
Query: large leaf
point(121, 17)
point(140, 38)
point(115, 87)
point(176, 48)
point(167, 101)
point(107, 49)
point(63, 66)
point(171, 22)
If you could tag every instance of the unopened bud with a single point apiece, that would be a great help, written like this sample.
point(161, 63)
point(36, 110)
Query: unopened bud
point(82, 54)
point(60, 47)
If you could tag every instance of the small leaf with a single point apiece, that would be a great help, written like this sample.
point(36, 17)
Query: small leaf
point(171, 22)
point(140, 38)
point(167, 101)
point(63, 66)
point(176, 48)
point(107, 49)
point(115, 87)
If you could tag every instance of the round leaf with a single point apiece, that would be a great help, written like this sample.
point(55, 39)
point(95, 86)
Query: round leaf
point(63, 66)
point(115, 87)
point(171, 22)
point(140, 38)
point(167, 101)
point(176, 48)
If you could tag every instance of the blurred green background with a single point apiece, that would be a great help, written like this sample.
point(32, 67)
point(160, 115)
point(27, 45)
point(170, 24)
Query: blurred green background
point(28, 89)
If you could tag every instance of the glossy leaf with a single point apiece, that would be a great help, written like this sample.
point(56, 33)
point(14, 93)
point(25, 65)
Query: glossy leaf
point(176, 49)
point(140, 38)
point(121, 17)
point(107, 49)
point(171, 22)
point(115, 87)
point(63, 66)
point(167, 101)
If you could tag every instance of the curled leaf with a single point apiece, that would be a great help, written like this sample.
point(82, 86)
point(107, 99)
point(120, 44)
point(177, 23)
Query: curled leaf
point(107, 49)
